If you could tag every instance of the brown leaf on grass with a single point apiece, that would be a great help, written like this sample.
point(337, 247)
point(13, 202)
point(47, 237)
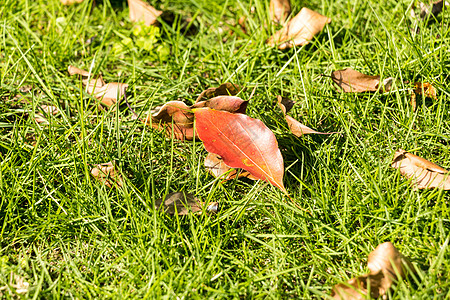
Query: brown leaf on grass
point(142, 11)
point(225, 89)
point(297, 128)
point(70, 2)
point(214, 164)
point(300, 30)
point(107, 93)
point(386, 264)
point(352, 81)
point(181, 203)
point(424, 173)
point(174, 114)
point(107, 174)
point(279, 10)
point(436, 9)
point(231, 104)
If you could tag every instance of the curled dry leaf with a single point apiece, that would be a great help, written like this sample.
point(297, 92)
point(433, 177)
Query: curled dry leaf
point(352, 81)
point(225, 89)
point(279, 10)
point(176, 115)
point(300, 30)
point(231, 104)
point(424, 173)
point(215, 165)
point(297, 128)
point(386, 264)
point(242, 142)
point(48, 110)
point(107, 174)
point(108, 93)
point(181, 203)
point(142, 11)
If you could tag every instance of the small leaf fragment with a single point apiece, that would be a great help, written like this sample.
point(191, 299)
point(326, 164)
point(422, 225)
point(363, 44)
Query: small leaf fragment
point(297, 128)
point(351, 81)
point(181, 203)
point(300, 30)
point(225, 89)
point(279, 10)
point(107, 93)
point(424, 173)
point(70, 2)
point(107, 174)
point(386, 264)
point(215, 165)
point(425, 89)
point(142, 11)
point(242, 142)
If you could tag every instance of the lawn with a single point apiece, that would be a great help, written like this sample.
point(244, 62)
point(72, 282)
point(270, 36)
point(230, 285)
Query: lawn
point(65, 234)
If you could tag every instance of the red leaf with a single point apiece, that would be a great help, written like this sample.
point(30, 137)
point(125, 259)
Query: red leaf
point(242, 142)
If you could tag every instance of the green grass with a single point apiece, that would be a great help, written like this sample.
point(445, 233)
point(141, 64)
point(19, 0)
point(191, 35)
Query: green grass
point(69, 236)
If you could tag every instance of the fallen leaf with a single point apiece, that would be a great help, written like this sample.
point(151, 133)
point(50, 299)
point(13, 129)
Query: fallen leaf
point(297, 128)
point(425, 89)
point(386, 264)
point(174, 114)
point(214, 164)
point(142, 11)
point(352, 81)
point(48, 110)
point(300, 30)
point(181, 203)
point(424, 173)
point(107, 174)
point(279, 10)
point(107, 93)
point(242, 142)
point(225, 89)
point(70, 2)
point(231, 104)
point(436, 9)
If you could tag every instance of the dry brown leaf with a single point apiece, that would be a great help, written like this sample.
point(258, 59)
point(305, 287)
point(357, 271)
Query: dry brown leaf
point(300, 30)
point(70, 2)
point(107, 93)
point(425, 89)
point(231, 104)
point(297, 128)
point(181, 203)
point(386, 264)
point(178, 113)
point(225, 89)
point(424, 173)
point(142, 11)
point(107, 174)
point(215, 165)
point(49, 110)
point(279, 10)
point(352, 81)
